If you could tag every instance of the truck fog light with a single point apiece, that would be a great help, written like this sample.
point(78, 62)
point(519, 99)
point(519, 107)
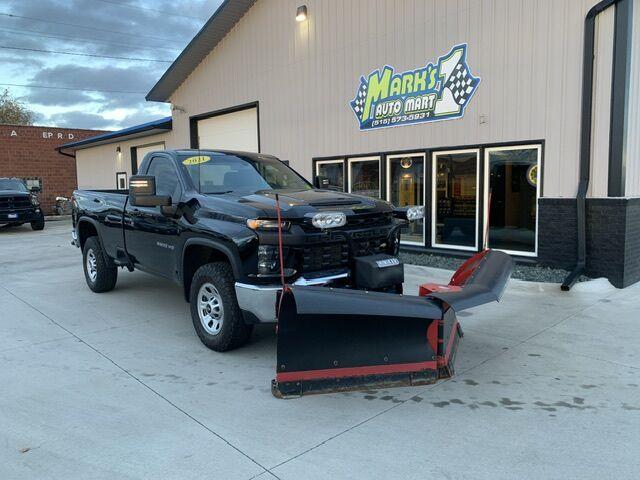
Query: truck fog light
point(415, 213)
point(269, 259)
point(329, 220)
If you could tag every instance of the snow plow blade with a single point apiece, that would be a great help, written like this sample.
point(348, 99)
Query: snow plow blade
point(338, 339)
point(482, 279)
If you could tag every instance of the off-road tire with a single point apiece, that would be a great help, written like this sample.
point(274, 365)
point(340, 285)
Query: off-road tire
point(106, 273)
point(38, 223)
point(234, 332)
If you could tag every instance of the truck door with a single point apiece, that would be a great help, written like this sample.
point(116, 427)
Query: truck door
point(152, 238)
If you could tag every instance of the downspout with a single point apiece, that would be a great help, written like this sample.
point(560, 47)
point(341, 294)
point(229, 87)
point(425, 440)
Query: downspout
point(585, 139)
point(72, 155)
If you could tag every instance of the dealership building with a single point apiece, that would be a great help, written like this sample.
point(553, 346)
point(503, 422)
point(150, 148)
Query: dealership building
point(515, 123)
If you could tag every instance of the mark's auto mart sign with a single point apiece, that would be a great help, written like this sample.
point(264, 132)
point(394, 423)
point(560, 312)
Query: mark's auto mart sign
point(438, 91)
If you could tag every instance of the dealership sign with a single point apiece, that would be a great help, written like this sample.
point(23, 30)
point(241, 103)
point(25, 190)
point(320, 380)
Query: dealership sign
point(437, 91)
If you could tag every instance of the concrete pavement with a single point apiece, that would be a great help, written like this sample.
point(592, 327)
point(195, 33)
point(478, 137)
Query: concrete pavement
point(117, 385)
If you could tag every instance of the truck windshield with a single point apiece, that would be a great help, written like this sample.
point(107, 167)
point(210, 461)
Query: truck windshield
point(12, 184)
point(224, 173)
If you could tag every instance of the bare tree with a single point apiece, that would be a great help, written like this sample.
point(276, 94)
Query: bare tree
point(14, 112)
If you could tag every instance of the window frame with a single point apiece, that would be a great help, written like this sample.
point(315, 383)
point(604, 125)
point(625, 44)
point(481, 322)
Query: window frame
point(486, 213)
point(316, 169)
point(412, 154)
point(352, 160)
point(434, 163)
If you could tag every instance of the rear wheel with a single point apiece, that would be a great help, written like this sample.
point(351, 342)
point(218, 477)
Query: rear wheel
point(101, 275)
point(215, 313)
point(38, 223)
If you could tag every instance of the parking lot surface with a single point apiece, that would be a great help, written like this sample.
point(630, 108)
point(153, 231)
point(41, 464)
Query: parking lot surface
point(117, 385)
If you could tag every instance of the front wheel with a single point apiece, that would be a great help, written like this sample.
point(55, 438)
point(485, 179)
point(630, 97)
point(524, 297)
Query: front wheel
point(38, 223)
point(215, 313)
point(101, 275)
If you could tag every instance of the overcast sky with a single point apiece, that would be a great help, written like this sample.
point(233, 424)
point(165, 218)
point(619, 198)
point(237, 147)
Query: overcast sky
point(145, 29)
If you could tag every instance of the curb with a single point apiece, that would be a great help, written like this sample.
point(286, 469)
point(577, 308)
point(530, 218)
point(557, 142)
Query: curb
point(56, 218)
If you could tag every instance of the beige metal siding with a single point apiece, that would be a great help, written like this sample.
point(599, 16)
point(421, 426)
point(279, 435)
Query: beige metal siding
point(97, 166)
point(632, 150)
point(528, 53)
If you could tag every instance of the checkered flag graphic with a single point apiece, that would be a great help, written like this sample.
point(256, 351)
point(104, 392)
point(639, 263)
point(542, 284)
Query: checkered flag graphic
point(358, 103)
point(461, 83)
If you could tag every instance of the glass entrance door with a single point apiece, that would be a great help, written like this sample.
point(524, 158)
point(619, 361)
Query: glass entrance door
point(512, 181)
point(454, 205)
point(405, 186)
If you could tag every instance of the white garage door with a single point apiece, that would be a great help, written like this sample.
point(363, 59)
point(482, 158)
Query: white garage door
point(231, 131)
point(142, 151)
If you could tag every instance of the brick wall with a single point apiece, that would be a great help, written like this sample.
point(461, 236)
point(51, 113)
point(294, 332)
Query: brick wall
point(613, 237)
point(27, 151)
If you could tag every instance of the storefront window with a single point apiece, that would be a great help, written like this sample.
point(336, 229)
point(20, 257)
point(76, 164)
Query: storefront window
point(455, 199)
point(405, 186)
point(512, 198)
point(364, 176)
point(331, 174)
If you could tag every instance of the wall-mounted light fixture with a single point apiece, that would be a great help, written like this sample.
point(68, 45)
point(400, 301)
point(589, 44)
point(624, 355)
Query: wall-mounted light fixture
point(178, 108)
point(301, 13)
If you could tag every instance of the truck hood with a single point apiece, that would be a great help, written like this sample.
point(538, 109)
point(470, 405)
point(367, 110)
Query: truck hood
point(298, 203)
point(13, 193)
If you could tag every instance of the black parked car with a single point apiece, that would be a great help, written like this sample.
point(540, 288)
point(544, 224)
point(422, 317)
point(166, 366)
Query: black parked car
point(19, 204)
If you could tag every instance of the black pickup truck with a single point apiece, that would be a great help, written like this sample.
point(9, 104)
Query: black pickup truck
point(19, 205)
point(208, 220)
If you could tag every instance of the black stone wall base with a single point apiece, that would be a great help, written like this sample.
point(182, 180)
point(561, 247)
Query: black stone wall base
point(557, 232)
point(632, 243)
point(613, 237)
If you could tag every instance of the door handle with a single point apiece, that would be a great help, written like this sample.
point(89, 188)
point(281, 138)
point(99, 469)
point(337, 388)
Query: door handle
point(114, 219)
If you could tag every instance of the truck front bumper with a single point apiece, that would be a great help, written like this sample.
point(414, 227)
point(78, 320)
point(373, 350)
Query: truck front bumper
point(20, 216)
point(258, 302)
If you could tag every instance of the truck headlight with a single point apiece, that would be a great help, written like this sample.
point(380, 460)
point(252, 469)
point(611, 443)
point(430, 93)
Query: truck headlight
point(415, 213)
point(261, 224)
point(329, 220)
point(34, 201)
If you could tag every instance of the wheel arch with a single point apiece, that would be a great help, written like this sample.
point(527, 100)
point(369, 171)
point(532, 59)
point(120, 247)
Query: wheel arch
point(85, 228)
point(200, 251)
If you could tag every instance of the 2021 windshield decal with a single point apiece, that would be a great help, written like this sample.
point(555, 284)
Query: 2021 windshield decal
point(434, 92)
point(196, 160)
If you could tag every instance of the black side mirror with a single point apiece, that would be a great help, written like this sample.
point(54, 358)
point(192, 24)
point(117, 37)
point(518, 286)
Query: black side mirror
point(35, 189)
point(142, 192)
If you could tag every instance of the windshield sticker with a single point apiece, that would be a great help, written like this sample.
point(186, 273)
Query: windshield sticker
point(196, 160)
point(434, 92)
